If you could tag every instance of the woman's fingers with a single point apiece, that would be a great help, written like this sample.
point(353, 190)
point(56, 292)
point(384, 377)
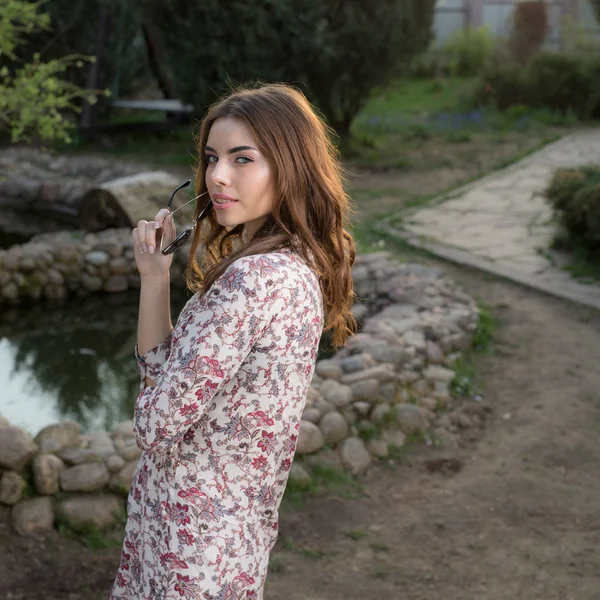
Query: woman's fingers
point(146, 236)
point(163, 226)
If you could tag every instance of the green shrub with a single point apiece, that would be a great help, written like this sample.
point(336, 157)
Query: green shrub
point(464, 54)
point(562, 83)
point(574, 194)
point(469, 51)
point(502, 85)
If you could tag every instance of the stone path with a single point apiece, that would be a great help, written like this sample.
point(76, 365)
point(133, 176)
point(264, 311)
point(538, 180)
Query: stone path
point(502, 224)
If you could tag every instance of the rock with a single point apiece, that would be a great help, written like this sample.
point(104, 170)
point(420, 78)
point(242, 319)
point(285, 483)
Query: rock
point(112, 248)
point(9, 292)
point(4, 422)
point(46, 472)
point(91, 283)
point(434, 353)
point(437, 373)
point(382, 413)
point(355, 457)
point(394, 437)
point(349, 416)
point(329, 369)
point(54, 292)
point(97, 258)
point(17, 448)
point(312, 396)
point(300, 475)
point(100, 443)
point(11, 487)
point(383, 373)
point(123, 430)
point(58, 436)
point(33, 516)
point(88, 477)
point(377, 448)
point(421, 387)
point(119, 266)
point(416, 339)
point(115, 463)
point(310, 438)
point(324, 407)
point(360, 311)
point(361, 408)
point(97, 510)
point(430, 404)
point(357, 362)
point(388, 392)
point(336, 394)
point(55, 277)
point(116, 284)
point(76, 456)
point(367, 390)
point(383, 352)
point(411, 418)
point(334, 428)
point(325, 459)
point(128, 448)
point(312, 414)
point(121, 481)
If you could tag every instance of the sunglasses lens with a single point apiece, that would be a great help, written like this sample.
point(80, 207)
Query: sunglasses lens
point(181, 239)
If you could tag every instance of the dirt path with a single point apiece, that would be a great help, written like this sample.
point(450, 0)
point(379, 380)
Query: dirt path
point(519, 520)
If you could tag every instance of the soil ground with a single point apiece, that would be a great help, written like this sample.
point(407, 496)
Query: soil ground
point(511, 513)
point(514, 516)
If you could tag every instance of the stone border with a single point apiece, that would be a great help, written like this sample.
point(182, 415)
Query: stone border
point(575, 292)
point(387, 385)
point(58, 265)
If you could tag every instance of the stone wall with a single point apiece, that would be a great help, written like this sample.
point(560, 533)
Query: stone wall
point(56, 265)
point(389, 383)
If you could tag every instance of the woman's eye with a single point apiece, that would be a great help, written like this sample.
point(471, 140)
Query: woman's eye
point(243, 159)
point(209, 158)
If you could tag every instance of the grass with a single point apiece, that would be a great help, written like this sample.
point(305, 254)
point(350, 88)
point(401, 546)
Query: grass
point(465, 382)
point(325, 480)
point(356, 534)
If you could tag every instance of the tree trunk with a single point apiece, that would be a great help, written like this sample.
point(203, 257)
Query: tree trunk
point(77, 202)
point(125, 201)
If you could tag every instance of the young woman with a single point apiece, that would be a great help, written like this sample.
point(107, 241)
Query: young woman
point(223, 391)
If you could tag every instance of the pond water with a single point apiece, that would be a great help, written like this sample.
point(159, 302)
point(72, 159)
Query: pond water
point(71, 361)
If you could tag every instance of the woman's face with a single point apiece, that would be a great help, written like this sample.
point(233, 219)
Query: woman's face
point(239, 179)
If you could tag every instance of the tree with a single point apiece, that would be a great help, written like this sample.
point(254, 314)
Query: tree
point(596, 6)
point(338, 50)
point(34, 97)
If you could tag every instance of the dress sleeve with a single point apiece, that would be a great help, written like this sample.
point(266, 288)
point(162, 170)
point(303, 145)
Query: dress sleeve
point(150, 363)
point(207, 350)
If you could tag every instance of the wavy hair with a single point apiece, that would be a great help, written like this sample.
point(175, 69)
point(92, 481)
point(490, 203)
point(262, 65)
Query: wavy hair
point(310, 211)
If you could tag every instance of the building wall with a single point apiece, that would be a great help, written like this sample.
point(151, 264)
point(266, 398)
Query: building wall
point(453, 15)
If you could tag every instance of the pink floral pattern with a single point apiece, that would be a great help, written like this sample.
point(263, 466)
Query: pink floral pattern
point(219, 432)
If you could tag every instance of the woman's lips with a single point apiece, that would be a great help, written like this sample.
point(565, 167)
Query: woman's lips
point(221, 201)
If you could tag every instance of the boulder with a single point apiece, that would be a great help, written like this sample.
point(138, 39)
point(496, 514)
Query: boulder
point(17, 448)
point(33, 516)
point(46, 472)
point(90, 510)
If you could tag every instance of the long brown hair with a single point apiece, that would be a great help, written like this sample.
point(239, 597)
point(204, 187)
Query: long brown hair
point(310, 210)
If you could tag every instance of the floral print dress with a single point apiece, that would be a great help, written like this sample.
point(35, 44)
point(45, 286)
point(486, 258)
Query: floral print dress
point(219, 431)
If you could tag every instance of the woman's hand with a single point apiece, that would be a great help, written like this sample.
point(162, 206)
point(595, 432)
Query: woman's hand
point(150, 261)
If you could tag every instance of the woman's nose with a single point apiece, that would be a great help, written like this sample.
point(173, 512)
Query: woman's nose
point(220, 175)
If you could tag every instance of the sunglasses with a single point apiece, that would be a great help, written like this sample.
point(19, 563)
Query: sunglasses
point(184, 236)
